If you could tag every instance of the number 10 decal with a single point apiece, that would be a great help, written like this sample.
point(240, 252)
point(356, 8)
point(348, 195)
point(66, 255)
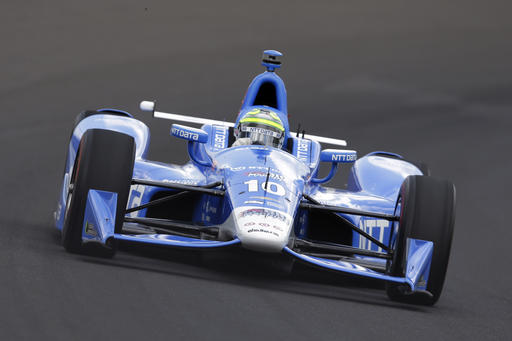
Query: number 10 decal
point(272, 187)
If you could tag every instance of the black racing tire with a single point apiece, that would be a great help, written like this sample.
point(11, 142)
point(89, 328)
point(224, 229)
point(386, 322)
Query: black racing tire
point(105, 162)
point(427, 212)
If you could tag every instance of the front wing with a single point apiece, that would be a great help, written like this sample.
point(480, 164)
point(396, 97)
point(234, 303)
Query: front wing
point(98, 226)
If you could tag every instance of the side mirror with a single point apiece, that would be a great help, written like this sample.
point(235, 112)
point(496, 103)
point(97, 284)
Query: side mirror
point(189, 134)
point(338, 156)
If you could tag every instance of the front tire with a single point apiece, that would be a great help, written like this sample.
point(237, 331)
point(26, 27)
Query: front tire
point(104, 162)
point(427, 212)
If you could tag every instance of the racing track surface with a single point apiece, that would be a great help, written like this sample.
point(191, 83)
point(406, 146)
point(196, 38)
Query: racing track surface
point(429, 80)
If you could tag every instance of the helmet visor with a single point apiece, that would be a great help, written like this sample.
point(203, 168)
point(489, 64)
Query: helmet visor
point(262, 136)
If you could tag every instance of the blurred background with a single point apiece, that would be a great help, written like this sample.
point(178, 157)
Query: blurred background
point(429, 80)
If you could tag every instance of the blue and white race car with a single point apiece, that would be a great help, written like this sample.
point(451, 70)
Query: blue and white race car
point(254, 184)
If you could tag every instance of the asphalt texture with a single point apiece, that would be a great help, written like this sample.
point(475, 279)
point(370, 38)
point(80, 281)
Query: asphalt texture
point(429, 80)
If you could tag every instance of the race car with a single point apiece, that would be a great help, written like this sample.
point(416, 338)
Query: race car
point(254, 184)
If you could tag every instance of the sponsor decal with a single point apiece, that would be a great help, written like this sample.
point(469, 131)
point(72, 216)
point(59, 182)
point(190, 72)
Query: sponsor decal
point(90, 230)
point(261, 131)
point(136, 193)
point(181, 182)
point(211, 209)
point(219, 140)
point(372, 227)
point(59, 210)
point(265, 213)
point(184, 134)
point(253, 168)
point(263, 221)
point(236, 169)
point(272, 176)
point(343, 157)
point(279, 228)
point(266, 169)
point(303, 150)
point(263, 230)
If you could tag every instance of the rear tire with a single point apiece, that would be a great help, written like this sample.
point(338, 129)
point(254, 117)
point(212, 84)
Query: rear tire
point(104, 162)
point(427, 212)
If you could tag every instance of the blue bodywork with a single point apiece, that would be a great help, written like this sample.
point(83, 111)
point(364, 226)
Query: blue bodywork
point(263, 186)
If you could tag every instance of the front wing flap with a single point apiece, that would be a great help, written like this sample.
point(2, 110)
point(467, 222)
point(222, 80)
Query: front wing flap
point(419, 258)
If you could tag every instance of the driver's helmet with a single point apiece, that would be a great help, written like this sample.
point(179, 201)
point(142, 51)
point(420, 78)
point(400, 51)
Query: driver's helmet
point(260, 127)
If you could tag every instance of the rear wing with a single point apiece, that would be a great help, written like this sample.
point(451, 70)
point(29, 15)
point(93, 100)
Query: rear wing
point(150, 107)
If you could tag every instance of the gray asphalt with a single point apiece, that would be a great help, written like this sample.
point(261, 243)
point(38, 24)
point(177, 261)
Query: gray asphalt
point(429, 80)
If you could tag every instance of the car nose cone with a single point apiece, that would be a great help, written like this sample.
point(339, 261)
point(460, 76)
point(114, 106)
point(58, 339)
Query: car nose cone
point(262, 229)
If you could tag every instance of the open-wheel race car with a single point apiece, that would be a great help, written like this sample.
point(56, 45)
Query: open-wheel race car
point(254, 184)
